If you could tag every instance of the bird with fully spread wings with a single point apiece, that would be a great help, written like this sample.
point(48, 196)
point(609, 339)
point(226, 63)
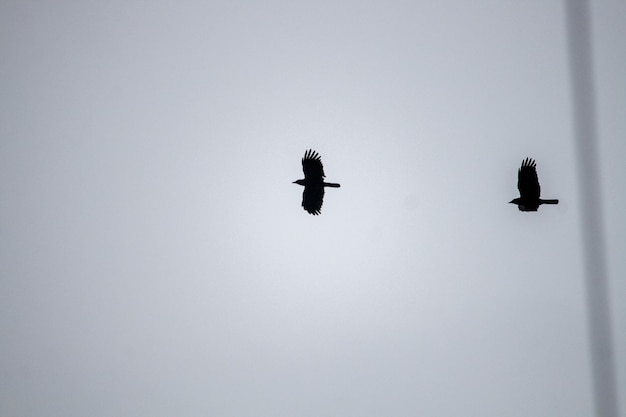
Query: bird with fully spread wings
point(313, 182)
point(529, 188)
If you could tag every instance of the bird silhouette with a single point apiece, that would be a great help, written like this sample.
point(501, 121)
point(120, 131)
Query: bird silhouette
point(529, 189)
point(313, 182)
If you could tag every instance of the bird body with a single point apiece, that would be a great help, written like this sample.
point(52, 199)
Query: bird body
point(313, 182)
point(529, 188)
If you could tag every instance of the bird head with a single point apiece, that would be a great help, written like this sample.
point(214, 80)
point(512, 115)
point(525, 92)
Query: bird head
point(520, 204)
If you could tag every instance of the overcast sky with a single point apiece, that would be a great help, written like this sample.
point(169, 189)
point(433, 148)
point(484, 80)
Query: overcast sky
point(154, 256)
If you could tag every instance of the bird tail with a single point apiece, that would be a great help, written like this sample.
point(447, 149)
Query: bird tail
point(554, 201)
point(331, 184)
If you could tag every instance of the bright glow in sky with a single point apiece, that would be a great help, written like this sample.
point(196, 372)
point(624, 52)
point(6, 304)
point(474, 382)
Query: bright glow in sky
point(154, 257)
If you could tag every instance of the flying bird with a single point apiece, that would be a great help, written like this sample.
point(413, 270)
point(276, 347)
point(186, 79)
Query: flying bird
point(529, 189)
point(313, 182)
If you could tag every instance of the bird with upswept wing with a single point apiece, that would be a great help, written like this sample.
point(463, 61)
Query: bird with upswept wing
point(313, 182)
point(529, 188)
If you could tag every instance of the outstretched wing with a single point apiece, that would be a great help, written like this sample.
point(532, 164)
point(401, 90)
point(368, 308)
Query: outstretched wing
point(312, 167)
point(527, 181)
point(312, 198)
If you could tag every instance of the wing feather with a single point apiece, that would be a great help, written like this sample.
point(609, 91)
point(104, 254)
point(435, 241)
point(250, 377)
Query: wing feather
point(312, 166)
point(527, 180)
point(313, 198)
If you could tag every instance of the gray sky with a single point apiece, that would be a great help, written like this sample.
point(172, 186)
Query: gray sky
point(154, 257)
